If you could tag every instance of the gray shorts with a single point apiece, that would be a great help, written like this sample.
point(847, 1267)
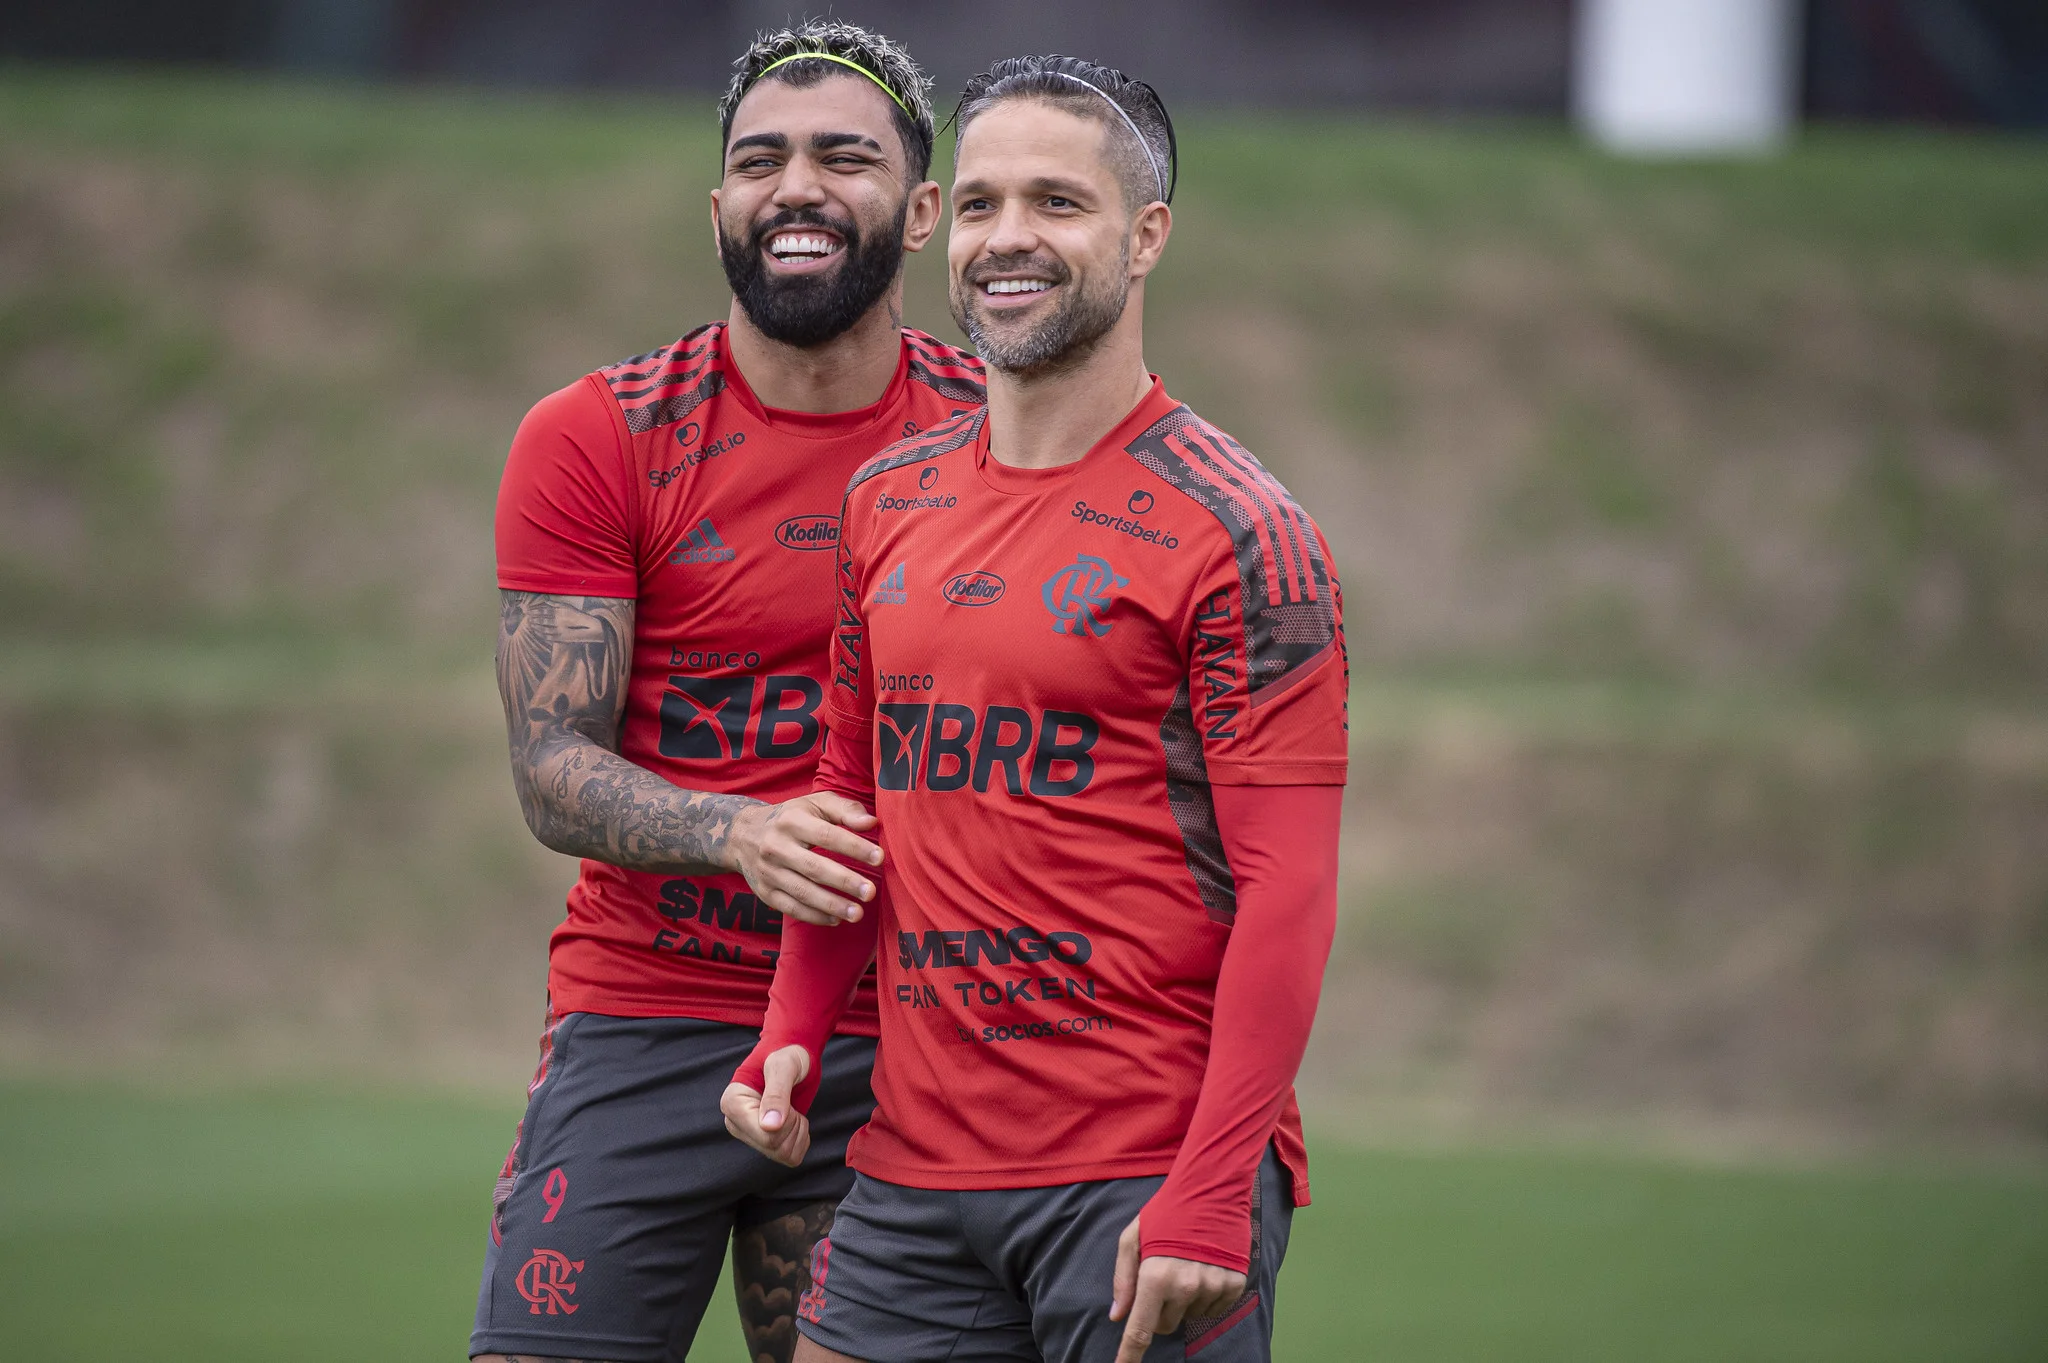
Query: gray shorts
point(623, 1187)
point(914, 1275)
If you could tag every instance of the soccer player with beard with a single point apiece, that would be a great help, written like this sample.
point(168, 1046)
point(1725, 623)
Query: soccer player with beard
point(665, 526)
point(1089, 670)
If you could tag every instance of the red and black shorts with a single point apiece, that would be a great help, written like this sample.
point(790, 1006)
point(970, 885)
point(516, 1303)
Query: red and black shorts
point(1017, 1275)
point(623, 1188)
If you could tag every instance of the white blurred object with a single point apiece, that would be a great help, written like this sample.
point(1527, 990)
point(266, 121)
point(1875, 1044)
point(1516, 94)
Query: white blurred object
point(1685, 77)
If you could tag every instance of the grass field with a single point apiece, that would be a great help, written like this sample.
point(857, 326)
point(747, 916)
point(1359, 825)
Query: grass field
point(316, 1226)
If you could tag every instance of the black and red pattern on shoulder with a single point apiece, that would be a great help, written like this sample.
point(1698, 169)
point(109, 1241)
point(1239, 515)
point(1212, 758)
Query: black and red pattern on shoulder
point(666, 385)
point(949, 435)
point(1289, 590)
point(949, 371)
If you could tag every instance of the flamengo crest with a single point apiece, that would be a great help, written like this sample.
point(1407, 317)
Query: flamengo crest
point(1079, 593)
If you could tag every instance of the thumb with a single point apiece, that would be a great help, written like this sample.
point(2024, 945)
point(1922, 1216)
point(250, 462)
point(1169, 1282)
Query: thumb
point(780, 1075)
point(842, 811)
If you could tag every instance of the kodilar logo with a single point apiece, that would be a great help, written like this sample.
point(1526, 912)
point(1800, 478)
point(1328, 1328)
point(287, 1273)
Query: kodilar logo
point(978, 588)
point(1078, 594)
point(808, 532)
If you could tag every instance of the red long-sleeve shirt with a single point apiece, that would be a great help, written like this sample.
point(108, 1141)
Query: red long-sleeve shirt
point(1101, 712)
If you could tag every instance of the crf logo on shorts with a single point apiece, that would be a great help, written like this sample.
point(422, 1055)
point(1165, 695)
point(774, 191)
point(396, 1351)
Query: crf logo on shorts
point(544, 1280)
point(811, 1305)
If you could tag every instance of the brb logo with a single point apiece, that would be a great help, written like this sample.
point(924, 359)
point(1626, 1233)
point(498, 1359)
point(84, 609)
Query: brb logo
point(544, 1280)
point(710, 717)
point(944, 747)
point(1078, 594)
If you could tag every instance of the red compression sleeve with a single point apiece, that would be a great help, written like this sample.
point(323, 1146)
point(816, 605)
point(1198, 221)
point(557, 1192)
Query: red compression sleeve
point(1282, 845)
point(847, 767)
point(819, 967)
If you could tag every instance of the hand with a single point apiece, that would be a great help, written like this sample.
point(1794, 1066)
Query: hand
point(771, 846)
point(1161, 1292)
point(768, 1120)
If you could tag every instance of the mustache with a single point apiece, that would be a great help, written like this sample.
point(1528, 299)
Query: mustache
point(846, 230)
point(988, 267)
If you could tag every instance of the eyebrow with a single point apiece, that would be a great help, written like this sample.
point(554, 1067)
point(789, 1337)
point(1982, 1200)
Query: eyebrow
point(827, 141)
point(774, 141)
point(819, 142)
point(1044, 184)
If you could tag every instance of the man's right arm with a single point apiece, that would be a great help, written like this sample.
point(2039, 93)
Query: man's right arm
point(563, 665)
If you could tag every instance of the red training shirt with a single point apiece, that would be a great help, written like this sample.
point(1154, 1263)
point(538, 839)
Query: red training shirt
point(1051, 670)
point(662, 478)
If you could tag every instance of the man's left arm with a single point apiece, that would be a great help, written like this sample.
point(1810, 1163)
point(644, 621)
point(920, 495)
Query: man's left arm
point(1275, 763)
point(1191, 1245)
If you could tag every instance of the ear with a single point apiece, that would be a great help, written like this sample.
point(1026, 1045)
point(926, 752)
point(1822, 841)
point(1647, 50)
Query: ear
point(923, 217)
point(717, 233)
point(1150, 228)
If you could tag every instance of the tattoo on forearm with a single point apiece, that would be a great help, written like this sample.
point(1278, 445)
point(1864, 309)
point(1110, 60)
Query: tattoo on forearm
point(771, 1268)
point(563, 667)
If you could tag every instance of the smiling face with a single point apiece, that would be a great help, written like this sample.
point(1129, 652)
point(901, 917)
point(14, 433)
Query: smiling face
point(1043, 249)
point(816, 207)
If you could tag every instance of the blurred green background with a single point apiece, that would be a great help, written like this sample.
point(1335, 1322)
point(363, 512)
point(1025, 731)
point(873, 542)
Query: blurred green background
point(1691, 995)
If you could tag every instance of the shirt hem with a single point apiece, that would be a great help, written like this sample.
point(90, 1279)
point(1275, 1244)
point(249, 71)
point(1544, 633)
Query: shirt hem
point(621, 1006)
point(983, 1178)
point(626, 588)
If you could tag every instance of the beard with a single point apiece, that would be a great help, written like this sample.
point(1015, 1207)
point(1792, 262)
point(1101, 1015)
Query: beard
point(1059, 341)
point(809, 310)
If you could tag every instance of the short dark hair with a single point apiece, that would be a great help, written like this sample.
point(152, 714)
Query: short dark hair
point(1147, 165)
point(880, 57)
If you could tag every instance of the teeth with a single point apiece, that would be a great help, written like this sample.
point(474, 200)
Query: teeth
point(1018, 285)
point(793, 245)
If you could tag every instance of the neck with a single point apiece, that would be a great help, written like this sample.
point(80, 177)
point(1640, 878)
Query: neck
point(846, 373)
point(1041, 421)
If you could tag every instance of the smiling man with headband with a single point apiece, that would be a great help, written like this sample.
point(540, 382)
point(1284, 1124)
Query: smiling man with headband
point(666, 529)
point(1089, 670)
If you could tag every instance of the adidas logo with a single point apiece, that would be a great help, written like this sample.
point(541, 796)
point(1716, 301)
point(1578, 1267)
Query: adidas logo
point(891, 591)
point(702, 545)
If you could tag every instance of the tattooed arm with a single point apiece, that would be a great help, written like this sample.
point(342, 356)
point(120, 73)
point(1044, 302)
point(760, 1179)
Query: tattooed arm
point(563, 667)
point(563, 662)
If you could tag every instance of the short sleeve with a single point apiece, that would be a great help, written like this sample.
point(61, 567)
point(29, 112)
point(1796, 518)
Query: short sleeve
point(565, 507)
point(1268, 679)
point(850, 700)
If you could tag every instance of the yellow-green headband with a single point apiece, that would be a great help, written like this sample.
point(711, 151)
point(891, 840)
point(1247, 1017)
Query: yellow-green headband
point(849, 65)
